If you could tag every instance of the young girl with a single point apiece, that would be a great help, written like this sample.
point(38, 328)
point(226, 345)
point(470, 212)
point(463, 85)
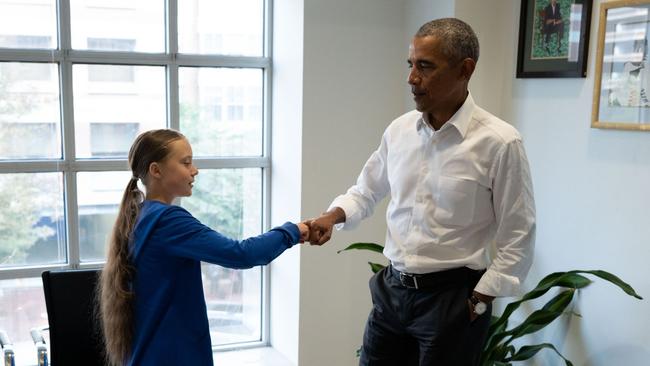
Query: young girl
point(151, 297)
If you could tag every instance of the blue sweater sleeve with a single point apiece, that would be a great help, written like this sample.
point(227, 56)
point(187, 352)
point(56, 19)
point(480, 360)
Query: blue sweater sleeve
point(186, 237)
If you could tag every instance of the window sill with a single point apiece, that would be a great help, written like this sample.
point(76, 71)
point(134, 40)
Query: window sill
point(263, 356)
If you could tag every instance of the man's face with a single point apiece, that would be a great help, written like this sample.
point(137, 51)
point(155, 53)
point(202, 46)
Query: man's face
point(435, 84)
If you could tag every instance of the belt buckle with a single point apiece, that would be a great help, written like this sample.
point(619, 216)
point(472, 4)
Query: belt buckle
point(403, 275)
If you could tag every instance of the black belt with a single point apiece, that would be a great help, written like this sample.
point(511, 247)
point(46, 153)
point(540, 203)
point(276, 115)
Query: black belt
point(429, 280)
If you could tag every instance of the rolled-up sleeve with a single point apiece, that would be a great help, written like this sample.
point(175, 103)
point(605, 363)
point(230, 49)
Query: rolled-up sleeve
point(514, 208)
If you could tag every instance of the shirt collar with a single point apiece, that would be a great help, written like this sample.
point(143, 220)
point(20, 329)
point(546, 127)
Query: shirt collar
point(460, 120)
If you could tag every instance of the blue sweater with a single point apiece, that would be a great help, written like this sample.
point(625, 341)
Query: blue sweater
point(171, 323)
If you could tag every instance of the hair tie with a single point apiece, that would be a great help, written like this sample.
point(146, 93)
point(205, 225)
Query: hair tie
point(134, 178)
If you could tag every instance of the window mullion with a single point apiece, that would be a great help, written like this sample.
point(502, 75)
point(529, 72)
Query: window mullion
point(28, 271)
point(69, 171)
point(72, 214)
point(266, 151)
point(172, 27)
point(65, 37)
point(67, 125)
point(173, 113)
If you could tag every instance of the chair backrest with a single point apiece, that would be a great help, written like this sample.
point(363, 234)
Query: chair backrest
point(75, 333)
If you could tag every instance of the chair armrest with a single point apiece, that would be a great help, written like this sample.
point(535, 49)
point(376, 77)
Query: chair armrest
point(7, 349)
point(39, 342)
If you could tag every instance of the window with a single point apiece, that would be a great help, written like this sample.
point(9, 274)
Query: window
point(112, 44)
point(28, 140)
point(68, 118)
point(19, 41)
point(112, 139)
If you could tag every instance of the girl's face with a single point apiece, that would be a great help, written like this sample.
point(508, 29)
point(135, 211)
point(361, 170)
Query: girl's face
point(177, 171)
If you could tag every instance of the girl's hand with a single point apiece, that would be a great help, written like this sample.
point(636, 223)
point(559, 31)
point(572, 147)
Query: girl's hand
point(304, 231)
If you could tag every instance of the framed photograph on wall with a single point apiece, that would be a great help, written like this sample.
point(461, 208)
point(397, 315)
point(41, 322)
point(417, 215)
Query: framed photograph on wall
point(553, 38)
point(622, 82)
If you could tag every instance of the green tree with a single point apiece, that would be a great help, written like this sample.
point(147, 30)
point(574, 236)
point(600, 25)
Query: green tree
point(23, 204)
point(217, 200)
point(24, 198)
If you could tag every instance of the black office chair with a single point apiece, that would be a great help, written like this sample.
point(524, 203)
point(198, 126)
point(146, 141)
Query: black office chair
point(75, 333)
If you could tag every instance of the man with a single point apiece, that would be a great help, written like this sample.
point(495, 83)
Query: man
point(458, 180)
point(553, 23)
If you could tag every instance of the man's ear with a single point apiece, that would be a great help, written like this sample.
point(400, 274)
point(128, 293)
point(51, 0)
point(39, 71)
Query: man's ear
point(467, 68)
point(155, 170)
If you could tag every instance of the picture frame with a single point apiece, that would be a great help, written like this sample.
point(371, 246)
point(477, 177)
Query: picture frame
point(553, 38)
point(622, 68)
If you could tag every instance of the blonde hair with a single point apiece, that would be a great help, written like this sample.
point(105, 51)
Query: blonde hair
point(115, 295)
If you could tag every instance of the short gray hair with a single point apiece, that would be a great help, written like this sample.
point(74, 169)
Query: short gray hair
point(458, 39)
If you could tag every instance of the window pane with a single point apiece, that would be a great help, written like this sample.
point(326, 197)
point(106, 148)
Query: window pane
point(28, 24)
point(99, 195)
point(118, 25)
point(113, 104)
point(230, 201)
point(23, 308)
point(29, 111)
point(221, 27)
point(32, 227)
point(221, 110)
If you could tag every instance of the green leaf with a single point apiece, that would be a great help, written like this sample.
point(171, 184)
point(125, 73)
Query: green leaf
point(541, 318)
point(500, 352)
point(613, 279)
point(573, 280)
point(486, 354)
point(527, 352)
point(376, 267)
point(561, 279)
point(364, 246)
point(495, 337)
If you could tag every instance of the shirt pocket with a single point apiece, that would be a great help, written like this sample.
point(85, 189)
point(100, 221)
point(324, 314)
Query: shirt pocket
point(456, 201)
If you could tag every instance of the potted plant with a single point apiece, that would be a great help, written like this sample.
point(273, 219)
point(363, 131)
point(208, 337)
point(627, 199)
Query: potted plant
point(499, 350)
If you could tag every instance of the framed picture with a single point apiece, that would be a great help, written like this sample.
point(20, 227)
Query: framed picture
point(553, 38)
point(622, 82)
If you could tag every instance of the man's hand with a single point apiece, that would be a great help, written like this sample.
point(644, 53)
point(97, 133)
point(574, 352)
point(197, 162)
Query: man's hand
point(482, 298)
point(321, 227)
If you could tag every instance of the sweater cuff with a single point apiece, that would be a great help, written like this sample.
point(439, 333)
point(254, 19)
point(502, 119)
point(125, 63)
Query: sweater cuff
point(291, 231)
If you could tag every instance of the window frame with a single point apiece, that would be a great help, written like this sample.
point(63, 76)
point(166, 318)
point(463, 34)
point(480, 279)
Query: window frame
point(69, 165)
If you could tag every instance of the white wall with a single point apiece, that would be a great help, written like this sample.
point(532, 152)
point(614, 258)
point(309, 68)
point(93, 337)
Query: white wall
point(591, 188)
point(492, 72)
point(286, 171)
point(418, 12)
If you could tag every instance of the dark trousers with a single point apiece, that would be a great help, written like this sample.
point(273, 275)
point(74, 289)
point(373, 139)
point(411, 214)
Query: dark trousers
point(550, 29)
point(424, 326)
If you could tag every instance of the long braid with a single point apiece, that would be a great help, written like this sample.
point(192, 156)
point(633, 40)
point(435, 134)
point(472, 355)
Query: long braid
point(115, 294)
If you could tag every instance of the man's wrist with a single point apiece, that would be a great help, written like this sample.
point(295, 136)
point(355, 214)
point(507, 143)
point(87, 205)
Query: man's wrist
point(336, 214)
point(483, 298)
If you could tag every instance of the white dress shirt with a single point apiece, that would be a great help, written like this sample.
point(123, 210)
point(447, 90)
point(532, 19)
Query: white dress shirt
point(452, 193)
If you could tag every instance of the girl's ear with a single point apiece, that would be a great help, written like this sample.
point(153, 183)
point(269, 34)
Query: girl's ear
point(155, 171)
